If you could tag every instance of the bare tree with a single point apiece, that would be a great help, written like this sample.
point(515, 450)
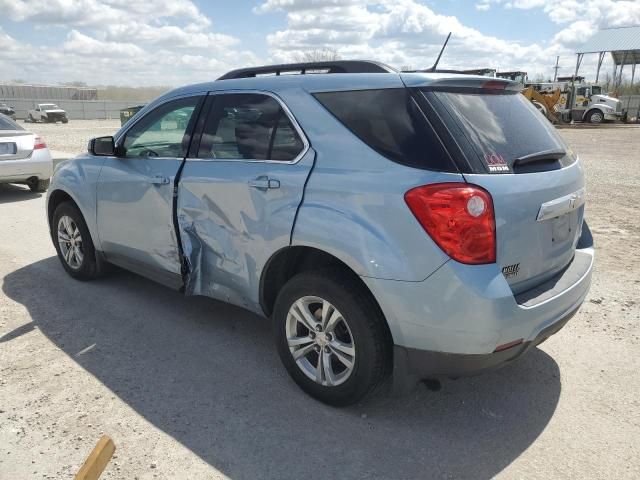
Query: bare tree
point(318, 55)
point(606, 81)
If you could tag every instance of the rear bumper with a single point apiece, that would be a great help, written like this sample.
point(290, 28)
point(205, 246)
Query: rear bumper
point(39, 165)
point(451, 323)
point(411, 365)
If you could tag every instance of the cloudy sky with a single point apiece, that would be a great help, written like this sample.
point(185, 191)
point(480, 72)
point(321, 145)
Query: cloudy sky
point(173, 42)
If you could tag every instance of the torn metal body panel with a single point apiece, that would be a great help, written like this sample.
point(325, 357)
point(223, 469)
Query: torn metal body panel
point(230, 223)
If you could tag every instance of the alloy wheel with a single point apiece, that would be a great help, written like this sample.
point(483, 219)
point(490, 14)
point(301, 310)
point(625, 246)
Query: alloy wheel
point(320, 341)
point(70, 241)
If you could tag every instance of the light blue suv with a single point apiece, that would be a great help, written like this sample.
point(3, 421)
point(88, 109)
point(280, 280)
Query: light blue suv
point(404, 225)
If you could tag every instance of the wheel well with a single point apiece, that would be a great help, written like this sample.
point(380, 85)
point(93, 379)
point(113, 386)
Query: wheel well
point(290, 261)
point(587, 115)
point(55, 199)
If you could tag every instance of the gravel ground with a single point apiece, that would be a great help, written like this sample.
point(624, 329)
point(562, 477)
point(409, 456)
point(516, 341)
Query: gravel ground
point(73, 136)
point(193, 388)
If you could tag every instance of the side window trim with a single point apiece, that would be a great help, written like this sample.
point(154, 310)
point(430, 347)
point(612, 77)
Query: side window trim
point(209, 108)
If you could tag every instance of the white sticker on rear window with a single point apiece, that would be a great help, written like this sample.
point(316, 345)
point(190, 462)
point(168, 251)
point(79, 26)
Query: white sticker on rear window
point(496, 163)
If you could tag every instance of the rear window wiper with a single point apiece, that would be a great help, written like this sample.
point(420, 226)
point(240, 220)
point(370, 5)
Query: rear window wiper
point(540, 156)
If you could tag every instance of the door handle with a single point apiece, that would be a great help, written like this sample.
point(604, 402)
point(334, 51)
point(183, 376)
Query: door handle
point(159, 180)
point(264, 183)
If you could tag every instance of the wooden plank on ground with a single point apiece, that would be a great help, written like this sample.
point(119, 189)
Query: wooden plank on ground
point(97, 460)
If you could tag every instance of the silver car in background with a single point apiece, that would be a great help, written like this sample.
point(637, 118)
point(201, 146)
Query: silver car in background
point(24, 157)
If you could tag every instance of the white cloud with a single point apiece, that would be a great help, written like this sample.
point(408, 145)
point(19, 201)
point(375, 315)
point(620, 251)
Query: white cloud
point(176, 43)
point(407, 32)
point(399, 32)
point(173, 43)
point(83, 45)
point(76, 13)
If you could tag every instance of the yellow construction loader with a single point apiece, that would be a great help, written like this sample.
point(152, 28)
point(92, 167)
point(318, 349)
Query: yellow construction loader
point(548, 103)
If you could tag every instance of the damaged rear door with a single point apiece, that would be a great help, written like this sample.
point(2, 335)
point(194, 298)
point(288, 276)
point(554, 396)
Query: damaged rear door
point(239, 193)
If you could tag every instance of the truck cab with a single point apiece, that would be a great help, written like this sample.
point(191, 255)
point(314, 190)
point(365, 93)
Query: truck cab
point(593, 106)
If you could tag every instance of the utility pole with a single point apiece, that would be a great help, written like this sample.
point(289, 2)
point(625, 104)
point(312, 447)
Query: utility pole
point(555, 75)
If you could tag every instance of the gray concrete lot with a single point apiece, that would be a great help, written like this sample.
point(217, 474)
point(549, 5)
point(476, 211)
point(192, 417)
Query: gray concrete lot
point(193, 388)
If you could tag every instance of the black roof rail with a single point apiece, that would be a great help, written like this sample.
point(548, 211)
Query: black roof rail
point(333, 66)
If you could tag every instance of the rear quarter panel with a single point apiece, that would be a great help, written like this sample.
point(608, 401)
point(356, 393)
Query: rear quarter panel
point(353, 205)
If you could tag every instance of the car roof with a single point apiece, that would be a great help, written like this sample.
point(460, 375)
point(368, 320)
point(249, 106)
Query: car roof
point(319, 82)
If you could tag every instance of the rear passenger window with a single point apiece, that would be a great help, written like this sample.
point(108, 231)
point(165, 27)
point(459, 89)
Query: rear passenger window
point(249, 127)
point(391, 123)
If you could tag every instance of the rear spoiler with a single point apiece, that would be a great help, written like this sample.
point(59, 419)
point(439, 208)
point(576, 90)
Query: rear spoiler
point(441, 80)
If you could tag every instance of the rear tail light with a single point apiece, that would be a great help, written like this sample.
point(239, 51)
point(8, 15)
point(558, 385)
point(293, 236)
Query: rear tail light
point(39, 143)
point(459, 218)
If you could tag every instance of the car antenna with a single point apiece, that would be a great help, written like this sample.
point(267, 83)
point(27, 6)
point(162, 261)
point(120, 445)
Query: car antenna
point(433, 68)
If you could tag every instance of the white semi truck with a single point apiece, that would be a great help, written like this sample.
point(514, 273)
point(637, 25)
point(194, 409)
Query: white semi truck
point(580, 101)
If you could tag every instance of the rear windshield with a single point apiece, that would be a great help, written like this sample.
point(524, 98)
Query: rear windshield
point(390, 122)
point(500, 127)
point(7, 124)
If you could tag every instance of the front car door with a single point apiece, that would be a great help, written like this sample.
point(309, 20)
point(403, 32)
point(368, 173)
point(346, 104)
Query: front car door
point(135, 192)
point(239, 195)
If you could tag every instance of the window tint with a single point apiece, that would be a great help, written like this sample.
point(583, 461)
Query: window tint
point(249, 126)
point(390, 122)
point(161, 132)
point(502, 126)
point(286, 142)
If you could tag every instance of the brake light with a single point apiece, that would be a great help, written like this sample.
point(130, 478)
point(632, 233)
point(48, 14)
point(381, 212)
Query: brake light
point(495, 85)
point(459, 217)
point(39, 143)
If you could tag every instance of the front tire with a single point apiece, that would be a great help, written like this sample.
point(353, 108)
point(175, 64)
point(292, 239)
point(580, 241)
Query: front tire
point(73, 242)
point(331, 337)
point(595, 116)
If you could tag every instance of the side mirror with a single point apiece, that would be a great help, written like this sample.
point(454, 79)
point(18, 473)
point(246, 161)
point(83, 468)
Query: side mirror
point(102, 147)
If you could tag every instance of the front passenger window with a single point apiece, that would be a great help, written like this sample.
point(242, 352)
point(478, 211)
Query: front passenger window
point(163, 131)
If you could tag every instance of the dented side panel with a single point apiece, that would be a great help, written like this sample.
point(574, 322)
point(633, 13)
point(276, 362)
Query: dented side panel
point(230, 229)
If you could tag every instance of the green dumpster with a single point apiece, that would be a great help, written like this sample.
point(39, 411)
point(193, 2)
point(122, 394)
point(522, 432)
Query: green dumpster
point(127, 113)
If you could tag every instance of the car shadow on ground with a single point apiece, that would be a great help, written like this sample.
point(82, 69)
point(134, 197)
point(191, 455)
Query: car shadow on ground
point(10, 193)
point(207, 374)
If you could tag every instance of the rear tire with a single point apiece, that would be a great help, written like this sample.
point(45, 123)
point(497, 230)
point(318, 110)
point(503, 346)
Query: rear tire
point(349, 328)
point(73, 242)
point(39, 186)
